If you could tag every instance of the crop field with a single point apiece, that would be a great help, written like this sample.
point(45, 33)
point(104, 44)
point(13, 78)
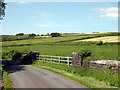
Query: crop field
point(104, 39)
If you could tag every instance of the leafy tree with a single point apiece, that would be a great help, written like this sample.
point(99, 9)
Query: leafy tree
point(20, 34)
point(42, 34)
point(32, 35)
point(48, 34)
point(38, 35)
point(55, 34)
point(85, 53)
point(2, 9)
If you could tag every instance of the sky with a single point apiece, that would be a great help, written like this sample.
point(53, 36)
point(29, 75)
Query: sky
point(61, 17)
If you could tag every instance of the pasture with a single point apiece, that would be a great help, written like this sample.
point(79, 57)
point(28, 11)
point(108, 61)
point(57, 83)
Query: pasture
point(65, 45)
point(98, 52)
point(65, 39)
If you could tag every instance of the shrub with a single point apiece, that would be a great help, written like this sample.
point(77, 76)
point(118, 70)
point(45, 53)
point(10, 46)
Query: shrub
point(55, 34)
point(20, 34)
point(99, 43)
point(32, 35)
point(85, 53)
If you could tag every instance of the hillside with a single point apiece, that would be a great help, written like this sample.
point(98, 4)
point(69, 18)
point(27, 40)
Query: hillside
point(65, 39)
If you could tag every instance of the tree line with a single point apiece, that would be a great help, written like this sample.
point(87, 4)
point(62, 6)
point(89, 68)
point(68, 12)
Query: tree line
point(33, 34)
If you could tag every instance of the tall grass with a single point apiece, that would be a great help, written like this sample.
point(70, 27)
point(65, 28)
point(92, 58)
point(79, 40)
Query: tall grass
point(7, 82)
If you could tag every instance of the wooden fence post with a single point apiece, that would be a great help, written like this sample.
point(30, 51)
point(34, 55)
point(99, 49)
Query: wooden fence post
point(45, 59)
point(39, 57)
point(68, 61)
point(51, 59)
point(59, 59)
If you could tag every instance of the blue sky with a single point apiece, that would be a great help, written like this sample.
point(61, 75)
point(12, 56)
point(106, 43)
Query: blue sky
point(62, 17)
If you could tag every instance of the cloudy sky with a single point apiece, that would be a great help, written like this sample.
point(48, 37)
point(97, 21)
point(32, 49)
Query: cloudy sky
point(63, 17)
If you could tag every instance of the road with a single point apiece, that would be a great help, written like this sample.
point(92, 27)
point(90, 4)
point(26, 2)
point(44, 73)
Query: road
point(26, 76)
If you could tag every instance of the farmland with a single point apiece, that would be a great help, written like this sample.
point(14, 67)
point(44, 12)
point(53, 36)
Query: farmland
point(104, 39)
point(65, 45)
point(66, 39)
point(98, 52)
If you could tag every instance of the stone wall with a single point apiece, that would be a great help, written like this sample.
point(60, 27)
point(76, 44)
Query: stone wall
point(78, 62)
point(105, 64)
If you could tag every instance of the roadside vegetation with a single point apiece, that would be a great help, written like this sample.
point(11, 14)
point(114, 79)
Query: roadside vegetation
point(6, 81)
point(90, 78)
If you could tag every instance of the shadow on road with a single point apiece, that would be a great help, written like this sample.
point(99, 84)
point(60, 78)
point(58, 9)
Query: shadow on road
point(11, 66)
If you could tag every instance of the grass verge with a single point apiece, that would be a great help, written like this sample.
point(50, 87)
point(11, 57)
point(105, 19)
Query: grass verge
point(6, 82)
point(88, 78)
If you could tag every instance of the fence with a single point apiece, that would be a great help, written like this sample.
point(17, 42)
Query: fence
point(55, 59)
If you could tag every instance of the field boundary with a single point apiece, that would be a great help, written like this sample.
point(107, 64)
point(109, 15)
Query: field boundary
point(55, 59)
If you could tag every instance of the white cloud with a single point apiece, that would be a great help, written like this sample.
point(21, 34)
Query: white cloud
point(108, 12)
point(116, 31)
point(22, 2)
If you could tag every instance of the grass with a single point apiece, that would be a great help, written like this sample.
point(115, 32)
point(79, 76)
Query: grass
point(98, 52)
point(89, 78)
point(6, 82)
point(41, 40)
point(53, 40)
point(104, 39)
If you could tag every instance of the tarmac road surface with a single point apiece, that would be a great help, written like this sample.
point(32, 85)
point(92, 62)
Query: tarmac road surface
point(26, 76)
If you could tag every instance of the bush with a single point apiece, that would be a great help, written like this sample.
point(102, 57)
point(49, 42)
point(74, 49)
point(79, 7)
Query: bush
point(85, 53)
point(20, 34)
point(6, 55)
point(99, 43)
point(55, 34)
point(32, 35)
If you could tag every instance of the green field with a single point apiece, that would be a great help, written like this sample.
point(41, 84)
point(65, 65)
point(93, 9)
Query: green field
point(98, 52)
point(64, 39)
point(65, 45)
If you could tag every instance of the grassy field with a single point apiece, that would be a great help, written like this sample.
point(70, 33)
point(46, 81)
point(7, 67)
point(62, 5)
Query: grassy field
point(98, 52)
point(48, 40)
point(104, 39)
point(44, 40)
point(65, 45)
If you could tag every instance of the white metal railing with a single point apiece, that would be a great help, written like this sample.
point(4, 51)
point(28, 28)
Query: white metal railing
point(55, 59)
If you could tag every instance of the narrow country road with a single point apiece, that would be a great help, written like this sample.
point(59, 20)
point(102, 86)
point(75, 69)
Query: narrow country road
point(25, 76)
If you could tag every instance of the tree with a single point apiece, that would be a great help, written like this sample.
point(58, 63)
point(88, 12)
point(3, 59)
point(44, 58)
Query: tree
point(42, 34)
point(55, 34)
point(20, 34)
point(32, 35)
point(48, 34)
point(2, 9)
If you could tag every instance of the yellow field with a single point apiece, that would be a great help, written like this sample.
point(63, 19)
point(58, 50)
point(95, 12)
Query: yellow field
point(104, 39)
